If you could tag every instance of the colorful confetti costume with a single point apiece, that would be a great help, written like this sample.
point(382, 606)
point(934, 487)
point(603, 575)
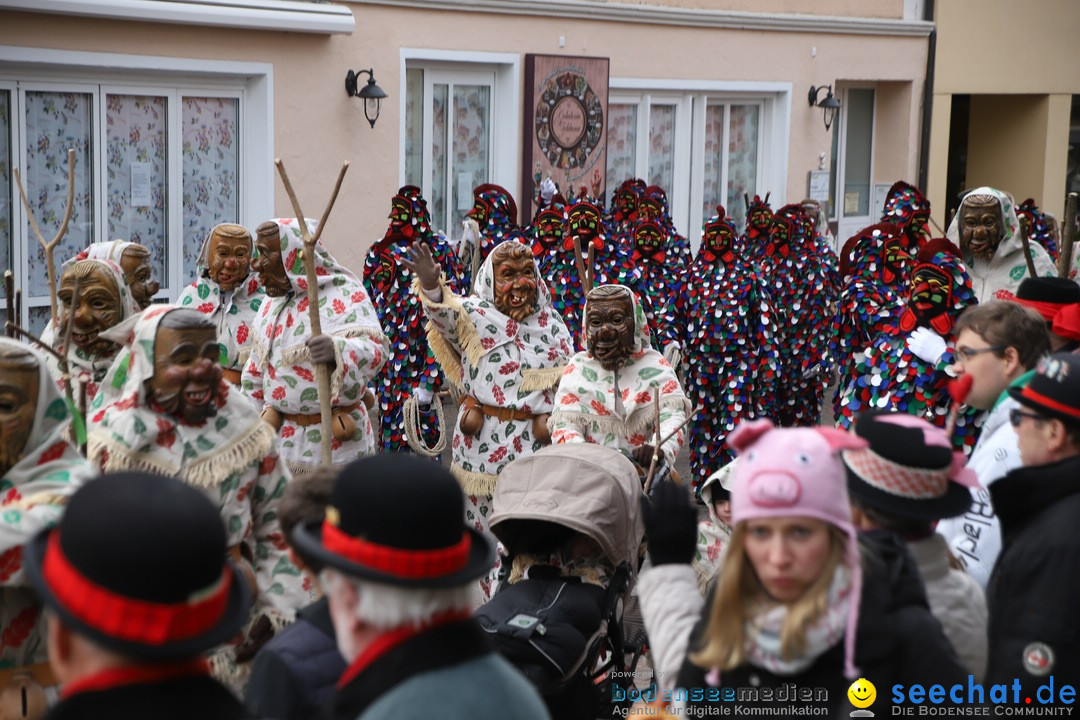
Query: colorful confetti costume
point(888, 375)
point(906, 207)
point(504, 365)
point(87, 369)
point(654, 206)
point(875, 266)
point(758, 228)
point(231, 457)
point(727, 333)
point(32, 495)
point(280, 374)
point(612, 264)
point(233, 312)
point(546, 237)
point(1007, 268)
point(1041, 227)
point(624, 205)
point(615, 408)
point(388, 282)
point(495, 211)
point(660, 279)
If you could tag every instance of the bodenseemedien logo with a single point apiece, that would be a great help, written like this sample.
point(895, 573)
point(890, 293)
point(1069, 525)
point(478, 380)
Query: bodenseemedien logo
point(862, 694)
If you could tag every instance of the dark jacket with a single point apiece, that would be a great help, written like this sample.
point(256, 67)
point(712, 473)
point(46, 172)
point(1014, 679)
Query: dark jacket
point(897, 641)
point(448, 672)
point(293, 675)
point(181, 698)
point(1032, 595)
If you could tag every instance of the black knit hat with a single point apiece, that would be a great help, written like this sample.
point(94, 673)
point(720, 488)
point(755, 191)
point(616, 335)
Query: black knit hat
point(397, 519)
point(1054, 389)
point(137, 564)
point(910, 470)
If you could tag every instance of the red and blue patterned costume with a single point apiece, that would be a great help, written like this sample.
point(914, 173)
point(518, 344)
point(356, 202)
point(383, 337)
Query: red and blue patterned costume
point(906, 207)
point(388, 283)
point(888, 375)
point(653, 205)
point(1039, 226)
point(726, 324)
point(495, 213)
point(758, 228)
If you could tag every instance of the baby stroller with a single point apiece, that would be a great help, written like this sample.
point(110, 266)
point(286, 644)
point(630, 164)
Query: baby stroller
point(569, 518)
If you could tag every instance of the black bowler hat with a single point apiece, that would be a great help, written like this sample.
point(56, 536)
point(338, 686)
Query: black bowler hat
point(399, 520)
point(1054, 389)
point(909, 470)
point(138, 565)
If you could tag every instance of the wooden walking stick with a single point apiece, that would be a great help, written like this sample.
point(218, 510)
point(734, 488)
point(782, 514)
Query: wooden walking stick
point(583, 273)
point(656, 447)
point(50, 264)
point(1023, 230)
point(322, 372)
point(1068, 237)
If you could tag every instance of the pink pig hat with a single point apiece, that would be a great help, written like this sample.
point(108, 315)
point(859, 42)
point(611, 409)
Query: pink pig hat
point(798, 472)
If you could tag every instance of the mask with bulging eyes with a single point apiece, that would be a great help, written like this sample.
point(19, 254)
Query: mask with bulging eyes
point(515, 280)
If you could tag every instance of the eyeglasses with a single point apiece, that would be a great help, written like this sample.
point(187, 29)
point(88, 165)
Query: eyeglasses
point(963, 354)
point(1016, 416)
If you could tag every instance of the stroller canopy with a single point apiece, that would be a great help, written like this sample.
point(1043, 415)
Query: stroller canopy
point(590, 489)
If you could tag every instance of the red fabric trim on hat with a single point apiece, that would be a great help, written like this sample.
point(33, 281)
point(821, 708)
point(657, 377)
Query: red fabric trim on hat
point(1049, 403)
point(121, 677)
point(1047, 309)
point(1067, 322)
point(126, 618)
point(397, 562)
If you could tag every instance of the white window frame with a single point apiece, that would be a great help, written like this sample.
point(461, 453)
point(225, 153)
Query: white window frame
point(505, 107)
point(33, 69)
point(692, 97)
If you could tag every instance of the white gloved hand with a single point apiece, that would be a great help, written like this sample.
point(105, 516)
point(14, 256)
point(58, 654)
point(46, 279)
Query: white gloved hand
point(547, 190)
point(423, 395)
point(926, 345)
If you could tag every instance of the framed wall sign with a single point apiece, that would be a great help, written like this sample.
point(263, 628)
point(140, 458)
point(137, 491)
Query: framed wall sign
point(565, 119)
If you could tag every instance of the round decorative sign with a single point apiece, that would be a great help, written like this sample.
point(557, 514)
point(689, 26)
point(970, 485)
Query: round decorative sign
point(569, 121)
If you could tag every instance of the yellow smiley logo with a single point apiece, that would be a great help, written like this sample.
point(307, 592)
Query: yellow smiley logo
point(862, 693)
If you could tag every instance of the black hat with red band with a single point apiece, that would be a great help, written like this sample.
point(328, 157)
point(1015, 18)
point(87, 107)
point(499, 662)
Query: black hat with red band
point(1054, 389)
point(138, 565)
point(399, 520)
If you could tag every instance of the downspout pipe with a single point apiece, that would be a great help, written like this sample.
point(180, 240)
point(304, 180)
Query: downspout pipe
point(928, 99)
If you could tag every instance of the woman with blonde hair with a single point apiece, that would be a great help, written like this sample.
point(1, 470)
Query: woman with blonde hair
point(801, 600)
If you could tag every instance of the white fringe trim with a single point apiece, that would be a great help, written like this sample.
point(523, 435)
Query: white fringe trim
point(640, 420)
point(533, 379)
point(473, 483)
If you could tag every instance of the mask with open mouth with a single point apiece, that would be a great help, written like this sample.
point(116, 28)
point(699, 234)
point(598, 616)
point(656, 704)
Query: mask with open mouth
point(139, 272)
point(97, 308)
point(18, 402)
point(609, 326)
point(516, 293)
point(981, 226)
point(187, 376)
point(229, 256)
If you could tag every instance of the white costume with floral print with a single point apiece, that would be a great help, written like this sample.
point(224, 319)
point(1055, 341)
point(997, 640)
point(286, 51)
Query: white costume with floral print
point(500, 362)
point(86, 369)
point(233, 312)
point(615, 408)
point(32, 495)
point(231, 456)
point(1008, 267)
point(280, 374)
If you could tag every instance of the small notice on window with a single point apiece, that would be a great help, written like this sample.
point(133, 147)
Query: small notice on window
point(851, 202)
point(140, 184)
point(464, 191)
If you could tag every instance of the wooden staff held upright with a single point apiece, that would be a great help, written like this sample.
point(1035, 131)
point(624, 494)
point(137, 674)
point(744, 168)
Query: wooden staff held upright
point(322, 372)
point(1068, 237)
point(50, 264)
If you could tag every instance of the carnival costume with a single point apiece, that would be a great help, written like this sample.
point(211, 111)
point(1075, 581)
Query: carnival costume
point(231, 456)
point(410, 364)
point(653, 205)
point(906, 207)
point(615, 408)
point(1007, 268)
point(87, 369)
point(507, 372)
point(1040, 227)
point(661, 276)
point(280, 374)
point(758, 228)
point(33, 493)
point(889, 375)
point(495, 213)
point(727, 331)
point(233, 312)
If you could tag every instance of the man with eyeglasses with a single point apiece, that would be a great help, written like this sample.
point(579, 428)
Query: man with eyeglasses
point(997, 345)
point(1032, 593)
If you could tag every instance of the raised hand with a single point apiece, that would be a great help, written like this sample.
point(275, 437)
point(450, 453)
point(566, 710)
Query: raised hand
point(670, 525)
point(419, 259)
